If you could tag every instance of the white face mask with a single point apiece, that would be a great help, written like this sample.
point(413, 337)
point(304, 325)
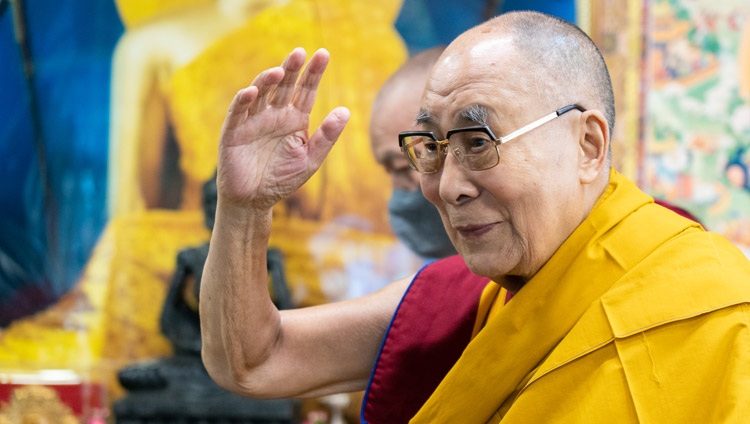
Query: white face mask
point(416, 222)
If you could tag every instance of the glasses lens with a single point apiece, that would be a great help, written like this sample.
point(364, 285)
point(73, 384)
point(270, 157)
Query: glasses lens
point(475, 149)
point(423, 152)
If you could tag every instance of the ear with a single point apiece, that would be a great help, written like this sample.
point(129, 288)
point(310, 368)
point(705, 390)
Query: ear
point(593, 146)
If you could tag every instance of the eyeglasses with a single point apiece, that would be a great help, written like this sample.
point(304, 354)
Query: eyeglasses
point(475, 147)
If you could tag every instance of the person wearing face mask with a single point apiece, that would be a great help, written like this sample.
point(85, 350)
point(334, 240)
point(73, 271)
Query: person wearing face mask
point(597, 305)
point(413, 219)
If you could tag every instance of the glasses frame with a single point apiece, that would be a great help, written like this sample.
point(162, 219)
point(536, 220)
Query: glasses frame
point(443, 144)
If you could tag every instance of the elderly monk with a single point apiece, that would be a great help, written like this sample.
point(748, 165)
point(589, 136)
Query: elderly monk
point(603, 306)
point(414, 220)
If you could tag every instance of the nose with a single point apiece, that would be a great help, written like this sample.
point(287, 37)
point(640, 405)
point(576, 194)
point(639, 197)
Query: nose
point(456, 186)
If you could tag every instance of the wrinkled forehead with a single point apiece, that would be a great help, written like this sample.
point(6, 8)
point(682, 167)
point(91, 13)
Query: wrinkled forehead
point(475, 75)
point(470, 57)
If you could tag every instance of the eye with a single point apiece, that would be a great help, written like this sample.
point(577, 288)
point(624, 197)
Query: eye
point(431, 146)
point(474, 143)
point(477, 142)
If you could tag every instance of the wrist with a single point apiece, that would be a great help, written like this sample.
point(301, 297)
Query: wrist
point(241, 219)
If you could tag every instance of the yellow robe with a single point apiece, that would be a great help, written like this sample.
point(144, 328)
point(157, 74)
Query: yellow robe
point(640, 316)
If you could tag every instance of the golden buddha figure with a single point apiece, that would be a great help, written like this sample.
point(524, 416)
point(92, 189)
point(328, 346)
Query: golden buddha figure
point(175, 70)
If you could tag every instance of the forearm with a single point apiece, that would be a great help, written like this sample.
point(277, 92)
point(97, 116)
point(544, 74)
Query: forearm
point(239, 323)
point(251, 348)
point(266, 154)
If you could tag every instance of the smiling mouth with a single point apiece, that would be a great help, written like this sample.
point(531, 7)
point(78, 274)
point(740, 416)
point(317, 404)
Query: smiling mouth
point(470, 231)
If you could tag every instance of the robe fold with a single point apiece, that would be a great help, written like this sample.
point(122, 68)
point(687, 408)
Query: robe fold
point(435, 320)
point(640, 316)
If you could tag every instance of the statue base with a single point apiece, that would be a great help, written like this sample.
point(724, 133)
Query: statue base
point(179, 390)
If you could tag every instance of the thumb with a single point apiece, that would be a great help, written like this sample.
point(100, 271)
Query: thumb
point(326, 135)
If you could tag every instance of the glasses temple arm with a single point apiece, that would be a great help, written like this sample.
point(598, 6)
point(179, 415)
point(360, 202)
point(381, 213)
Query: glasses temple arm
point(523, 130)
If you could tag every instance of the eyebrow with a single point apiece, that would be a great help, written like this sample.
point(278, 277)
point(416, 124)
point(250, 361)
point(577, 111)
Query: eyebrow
point(424, 118)
point(475, 113)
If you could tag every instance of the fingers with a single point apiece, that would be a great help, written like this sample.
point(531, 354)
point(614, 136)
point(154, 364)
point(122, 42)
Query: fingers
point(283, 84)
point(266, 83)
point(282, 95)
point(238, 109)
point(307, 87)
point(330, 130)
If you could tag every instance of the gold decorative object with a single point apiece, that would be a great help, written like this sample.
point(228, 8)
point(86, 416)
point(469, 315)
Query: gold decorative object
point(35, 405)
point(332, 230)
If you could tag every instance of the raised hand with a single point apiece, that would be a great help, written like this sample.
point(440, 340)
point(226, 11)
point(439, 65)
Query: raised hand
point(266, 152)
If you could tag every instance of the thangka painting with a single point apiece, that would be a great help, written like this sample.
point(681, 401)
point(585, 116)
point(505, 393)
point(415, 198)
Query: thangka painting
point(696, 150)
point(616, 27)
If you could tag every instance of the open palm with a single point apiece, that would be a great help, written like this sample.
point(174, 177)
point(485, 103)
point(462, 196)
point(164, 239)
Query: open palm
point(266, 152)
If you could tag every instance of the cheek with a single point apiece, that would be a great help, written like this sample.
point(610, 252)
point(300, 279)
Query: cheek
point(528, 201)
point(550, 176)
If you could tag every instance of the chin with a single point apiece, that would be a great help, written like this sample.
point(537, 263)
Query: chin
point(491, 264)
point(480, 265)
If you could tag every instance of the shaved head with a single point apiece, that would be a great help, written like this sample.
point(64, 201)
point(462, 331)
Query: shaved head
point(567, 65)
point(503, 76)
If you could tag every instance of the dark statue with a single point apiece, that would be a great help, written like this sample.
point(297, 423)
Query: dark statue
point(177, 389)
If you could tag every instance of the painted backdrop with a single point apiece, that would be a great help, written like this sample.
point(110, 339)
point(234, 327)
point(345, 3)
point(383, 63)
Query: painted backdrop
point(106, 145)
point(697, 128)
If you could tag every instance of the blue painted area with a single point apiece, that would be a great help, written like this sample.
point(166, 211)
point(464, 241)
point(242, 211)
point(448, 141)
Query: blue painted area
point(428, 23)
point(71, 45)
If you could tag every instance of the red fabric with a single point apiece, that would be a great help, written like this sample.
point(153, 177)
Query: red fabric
point(429, 331)
point(678, 210)
point(80, 397)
